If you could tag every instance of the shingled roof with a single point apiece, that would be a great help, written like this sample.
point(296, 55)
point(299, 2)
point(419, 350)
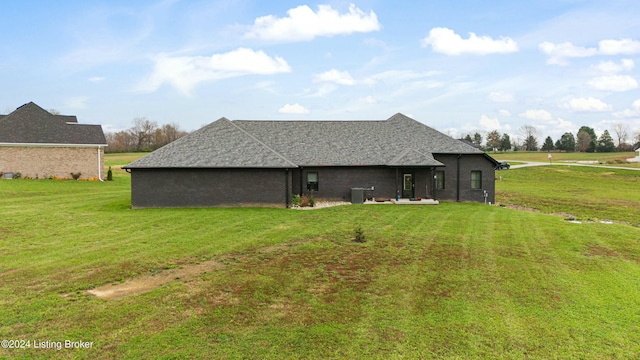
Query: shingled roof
point(397, 141)
point(31, 124)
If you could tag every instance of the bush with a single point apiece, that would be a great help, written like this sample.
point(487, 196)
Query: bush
point(304, 201)
point(359, 235)
point(109, 174)
point(312, 201)
point(295, 200)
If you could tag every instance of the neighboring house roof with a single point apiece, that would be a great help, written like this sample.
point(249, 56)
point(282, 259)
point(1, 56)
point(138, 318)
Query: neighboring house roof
point(397, 141)
point(31, 124)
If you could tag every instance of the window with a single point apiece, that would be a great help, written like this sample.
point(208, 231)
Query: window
point(439, 180)
point(476, 179)
point(312, 181)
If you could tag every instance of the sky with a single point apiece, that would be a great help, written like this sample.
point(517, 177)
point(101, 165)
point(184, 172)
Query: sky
point(458, 66)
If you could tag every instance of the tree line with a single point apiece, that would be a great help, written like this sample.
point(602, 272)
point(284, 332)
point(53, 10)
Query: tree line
point(585, 140)
point(144, 135)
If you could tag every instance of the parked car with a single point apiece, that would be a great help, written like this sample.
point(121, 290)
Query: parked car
point(503, 165)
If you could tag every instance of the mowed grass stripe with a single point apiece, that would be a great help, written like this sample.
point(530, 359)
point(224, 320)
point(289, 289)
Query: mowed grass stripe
point(448, 281)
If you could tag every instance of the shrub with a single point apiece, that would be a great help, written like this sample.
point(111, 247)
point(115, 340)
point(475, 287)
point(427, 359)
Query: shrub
point(359, 235)
point(304, 201)
point(312, 201)
point(109, 174)
point(295, 200)
point(17, 175)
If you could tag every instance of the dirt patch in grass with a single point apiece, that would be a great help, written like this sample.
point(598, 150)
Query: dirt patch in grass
point(149, 282)
point(597, 250)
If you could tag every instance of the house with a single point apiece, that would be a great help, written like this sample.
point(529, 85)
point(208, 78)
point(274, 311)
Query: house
point(35, 143)
point(263, 163)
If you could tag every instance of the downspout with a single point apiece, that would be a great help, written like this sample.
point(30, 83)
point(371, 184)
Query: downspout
point(458, 178)
point(433, 183)
point(99, 170)
point(286, 188)
point(397, 191)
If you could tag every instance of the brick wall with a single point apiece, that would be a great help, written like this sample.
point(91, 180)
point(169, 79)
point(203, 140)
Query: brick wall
point(210, 187)
point(43, 161)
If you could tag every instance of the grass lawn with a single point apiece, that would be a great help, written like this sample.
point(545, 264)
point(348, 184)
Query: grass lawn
point(612, 159)
point(588, 193)
point(446, 281)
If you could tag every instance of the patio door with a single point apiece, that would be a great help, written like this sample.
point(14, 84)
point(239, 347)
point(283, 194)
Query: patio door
point(408, 185)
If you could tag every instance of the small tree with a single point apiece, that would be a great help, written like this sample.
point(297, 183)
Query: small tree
point(605, 143)
point(493, 140)
point(567, 142)
point(548, 144)
point(505, 142)
point(477, 140)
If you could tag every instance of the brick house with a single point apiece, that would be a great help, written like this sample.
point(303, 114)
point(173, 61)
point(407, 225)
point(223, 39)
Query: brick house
point(263, 163)
point(38, 144)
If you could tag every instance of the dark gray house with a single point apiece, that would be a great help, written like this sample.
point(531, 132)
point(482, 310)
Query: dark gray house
point(263, 163)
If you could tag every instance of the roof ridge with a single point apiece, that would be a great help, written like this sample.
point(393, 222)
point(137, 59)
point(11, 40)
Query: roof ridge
point(261, 142)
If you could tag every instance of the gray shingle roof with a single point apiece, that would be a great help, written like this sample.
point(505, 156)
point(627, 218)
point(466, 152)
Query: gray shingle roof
point(398, 141)
point(31, 124)
point(220, 144)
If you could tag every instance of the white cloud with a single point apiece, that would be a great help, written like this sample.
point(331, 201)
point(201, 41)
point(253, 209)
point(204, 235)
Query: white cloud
point(77, 102)
point(368, 100)
point(96, 79)
point(504, 112)
point(586, 105)
point(613, 83)
point(500, 96)
point(446, 41)
point(335, 76)
point(185, 72)
point(490, 124)
point(293, 109)
point(303, 24)
point(634, 112)
point(558, 52)
point(610, 67)
point(543, 115)
point(616, 47)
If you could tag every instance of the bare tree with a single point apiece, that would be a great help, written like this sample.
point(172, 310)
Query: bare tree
point(143, 131)
point(530, 137)
point(622, 133)
point(583, 141)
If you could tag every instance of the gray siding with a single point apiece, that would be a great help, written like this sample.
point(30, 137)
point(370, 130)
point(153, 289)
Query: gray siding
point(209, 187)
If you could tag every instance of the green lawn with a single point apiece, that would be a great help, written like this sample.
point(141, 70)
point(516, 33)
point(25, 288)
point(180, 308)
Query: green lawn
point(613, 158)
point(446, 281)
point(588, 193)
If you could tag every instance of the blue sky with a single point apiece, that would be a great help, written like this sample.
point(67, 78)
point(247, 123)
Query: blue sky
point(458, 66)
